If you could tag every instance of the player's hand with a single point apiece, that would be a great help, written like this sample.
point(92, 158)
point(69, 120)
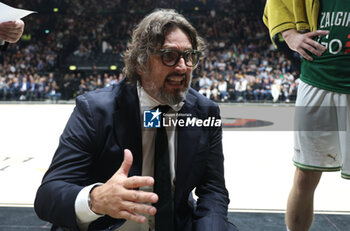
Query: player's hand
point(11, 31)
point(117, 197)
point(304, 42)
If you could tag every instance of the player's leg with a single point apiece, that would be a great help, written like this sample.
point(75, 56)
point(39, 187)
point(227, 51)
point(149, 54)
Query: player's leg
point(316, 150)
point(299, 215)
point(344, 136)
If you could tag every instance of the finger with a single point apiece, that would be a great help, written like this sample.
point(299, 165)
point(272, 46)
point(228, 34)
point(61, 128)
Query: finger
point(7, 38)
point(126, 165)
point(3, 36)
point(311, 49)
point(318, 46)
point(134, 208)
point(10, 36)
point(9, 31)
point(130, 216)
point(140, 196)
point(13, 39)
point(8, 24)
point(304, 54)
point(19, 23)
point(138, 181)
point(14, 27)
point(12, 30)
point(317, 33)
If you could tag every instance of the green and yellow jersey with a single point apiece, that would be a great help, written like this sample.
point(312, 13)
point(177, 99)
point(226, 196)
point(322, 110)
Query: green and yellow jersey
point(331, 71)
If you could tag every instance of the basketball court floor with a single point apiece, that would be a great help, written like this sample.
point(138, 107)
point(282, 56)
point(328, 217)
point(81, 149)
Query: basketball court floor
point(258, 148)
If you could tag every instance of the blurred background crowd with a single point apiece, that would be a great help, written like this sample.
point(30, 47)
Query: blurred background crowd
point(73, 46)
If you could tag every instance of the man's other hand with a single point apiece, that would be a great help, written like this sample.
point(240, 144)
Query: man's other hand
point(117, 197)
point(11, 31)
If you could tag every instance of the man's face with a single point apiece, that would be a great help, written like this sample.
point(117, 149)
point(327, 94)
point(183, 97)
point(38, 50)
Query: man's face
point(169, 85)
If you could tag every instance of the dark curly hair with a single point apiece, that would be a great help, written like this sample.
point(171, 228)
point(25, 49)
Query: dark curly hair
point(149, 36)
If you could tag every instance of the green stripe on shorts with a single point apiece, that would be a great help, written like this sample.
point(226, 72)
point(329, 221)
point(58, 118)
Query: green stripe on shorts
point(316, 168)
point(345, 176)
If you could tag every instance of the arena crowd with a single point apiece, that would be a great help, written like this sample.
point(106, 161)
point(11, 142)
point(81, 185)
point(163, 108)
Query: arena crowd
point(240, 64)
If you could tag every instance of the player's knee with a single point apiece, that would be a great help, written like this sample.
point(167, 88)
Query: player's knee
point(307, 180)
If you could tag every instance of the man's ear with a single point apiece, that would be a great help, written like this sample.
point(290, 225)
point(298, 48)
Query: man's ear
point(139, 70)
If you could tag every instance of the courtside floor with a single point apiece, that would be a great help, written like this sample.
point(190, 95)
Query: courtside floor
point(258, 164)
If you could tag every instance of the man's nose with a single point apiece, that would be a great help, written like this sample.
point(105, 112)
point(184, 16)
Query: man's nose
point(181, 67)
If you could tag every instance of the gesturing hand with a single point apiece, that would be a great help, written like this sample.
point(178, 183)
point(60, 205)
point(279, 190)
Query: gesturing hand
point(303, 42)
point(117, 197)
point(11, 31)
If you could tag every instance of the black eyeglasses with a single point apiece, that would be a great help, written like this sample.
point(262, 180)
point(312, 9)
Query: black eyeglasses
point(171, 57)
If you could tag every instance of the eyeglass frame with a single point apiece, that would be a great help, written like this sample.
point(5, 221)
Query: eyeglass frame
point(180, 54)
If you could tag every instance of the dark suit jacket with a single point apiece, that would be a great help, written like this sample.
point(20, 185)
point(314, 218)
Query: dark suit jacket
point(102, 125)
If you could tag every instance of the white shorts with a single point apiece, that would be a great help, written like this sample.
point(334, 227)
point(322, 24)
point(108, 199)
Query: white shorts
point(322, 130)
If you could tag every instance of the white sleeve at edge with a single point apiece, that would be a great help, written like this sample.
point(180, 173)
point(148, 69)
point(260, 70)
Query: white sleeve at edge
point(82, 210)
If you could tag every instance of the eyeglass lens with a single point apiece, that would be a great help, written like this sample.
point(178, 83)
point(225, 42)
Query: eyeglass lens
point(172, 57)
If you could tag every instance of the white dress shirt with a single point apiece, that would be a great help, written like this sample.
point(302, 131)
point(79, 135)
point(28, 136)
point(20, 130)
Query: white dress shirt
point(83, 212)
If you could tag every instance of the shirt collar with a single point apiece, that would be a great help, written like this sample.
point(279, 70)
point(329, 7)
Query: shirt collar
point(147, 102)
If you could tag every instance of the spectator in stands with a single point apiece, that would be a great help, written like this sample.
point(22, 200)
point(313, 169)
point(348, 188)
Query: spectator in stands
point(31, 91)
point(68, 86)
point(3, 88)
point(107, 81)
point(294, 89)
point(222, 87)
point(285, 87)
point(265, 89)
point(51, 78)
point(250, 81)
point(82, 87)
point(256, 88)
point(41, 87)
point(14, 88)
point(214, 92)
point(229, 72)
point(92, 83)
point(24, 88)
point(276, 89)
point(241, 89)
point(205, 85)
point(53, 92)
point(231, 89)
point(99, 83)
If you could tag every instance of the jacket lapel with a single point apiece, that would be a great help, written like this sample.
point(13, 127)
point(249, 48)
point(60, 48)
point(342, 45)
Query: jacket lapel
point(127, 124)
point(188, 138)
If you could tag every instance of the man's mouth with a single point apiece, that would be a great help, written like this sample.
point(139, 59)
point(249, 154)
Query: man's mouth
point(176, 80)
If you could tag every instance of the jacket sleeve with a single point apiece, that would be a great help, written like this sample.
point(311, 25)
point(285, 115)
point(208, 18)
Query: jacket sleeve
point(212, 204)
point(68, 172)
